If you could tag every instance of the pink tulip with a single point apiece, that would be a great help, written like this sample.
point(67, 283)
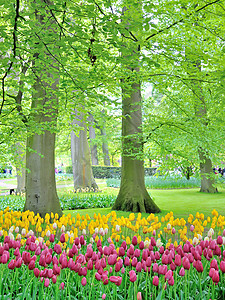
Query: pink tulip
point(103, 296)
point(57, 249)
point(199, 266)
point(134, 262)
point(155, 268)
point(46, 282)
point(219, 240)
point(141, 245)
point(62, 285)
point(192, 228)
point(4, 259)
point(222, 266)
point(182, 272)
point(84, 281)
point(12, 264)
point(98, 276)
point(139, 297)
point(54, 279)
point(36, 272)
point(155, 281)
point(133, 276)
point(138, 267)
point(116, 279)
point(126, 261)
point(216, 277)
point(31, 265)
point(186, 263)
point(62, 238)
point(214, 264)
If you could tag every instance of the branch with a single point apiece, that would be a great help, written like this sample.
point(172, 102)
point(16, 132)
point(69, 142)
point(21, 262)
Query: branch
point(14, 54)
point(181, 20)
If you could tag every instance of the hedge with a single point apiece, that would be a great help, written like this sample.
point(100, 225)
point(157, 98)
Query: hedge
point(110, 172)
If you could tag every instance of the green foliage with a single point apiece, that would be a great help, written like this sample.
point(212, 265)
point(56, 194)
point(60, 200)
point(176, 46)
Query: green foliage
point(162, 182)
point(68, 201)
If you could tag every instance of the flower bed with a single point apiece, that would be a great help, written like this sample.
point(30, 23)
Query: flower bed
point(111, 258)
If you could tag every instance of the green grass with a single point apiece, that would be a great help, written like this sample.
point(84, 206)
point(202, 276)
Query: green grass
point(182, 202)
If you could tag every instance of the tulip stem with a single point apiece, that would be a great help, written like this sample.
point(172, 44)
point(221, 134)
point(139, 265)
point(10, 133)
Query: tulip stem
point(200, 284)
point(175, 286)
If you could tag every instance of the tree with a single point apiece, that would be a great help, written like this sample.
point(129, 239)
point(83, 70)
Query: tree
point(133, 195)
point(41, 195)
point(81, 159)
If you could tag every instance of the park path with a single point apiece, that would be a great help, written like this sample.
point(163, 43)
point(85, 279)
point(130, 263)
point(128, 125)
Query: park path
point(6, 186)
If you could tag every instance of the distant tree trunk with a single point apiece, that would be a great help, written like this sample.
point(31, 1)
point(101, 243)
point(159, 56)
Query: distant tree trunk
point(206, 169)
point(41, 195)
point(105, 147)
point(81, 159)
point(20, 168)
point(92, 135)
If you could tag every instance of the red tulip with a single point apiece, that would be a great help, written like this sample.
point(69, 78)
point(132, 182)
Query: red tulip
point(134, 240)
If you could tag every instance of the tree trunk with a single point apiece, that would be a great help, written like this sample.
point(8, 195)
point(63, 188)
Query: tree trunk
point(41, 195)
point(105, 148)
point(81, 159)
point(20, 168)
point(207, 175)
point(133, 195)
point(92, 135)
point(206, 169)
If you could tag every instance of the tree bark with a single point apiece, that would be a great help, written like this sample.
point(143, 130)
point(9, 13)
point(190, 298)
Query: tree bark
point(133, 195)
point(41, 195)
point(105, 147)
point(92, 135)
point(20, 168)
point(206, 169)
point(81, 159)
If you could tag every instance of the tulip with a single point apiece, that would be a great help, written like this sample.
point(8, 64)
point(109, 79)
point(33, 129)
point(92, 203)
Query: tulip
point(214, 264)
point(46, 284)
point(138, 267)
point(177, 260)
point(155, 268)
point(216, 277)
point(182, 272)
point(84, 281)
point(186, 263)
point(36, 272)
point(171, 281)
point(126, 261)
point(222, 266)
point(54, 279)
point(155, 281)
point(199, 266)
point(103, 296)
point(134, 240)
point(31, 265)
point(133, 276)
point(62, 285)
point(139, 297)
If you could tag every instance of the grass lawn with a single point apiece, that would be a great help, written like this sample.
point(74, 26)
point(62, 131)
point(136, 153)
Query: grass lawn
point(181, 201)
